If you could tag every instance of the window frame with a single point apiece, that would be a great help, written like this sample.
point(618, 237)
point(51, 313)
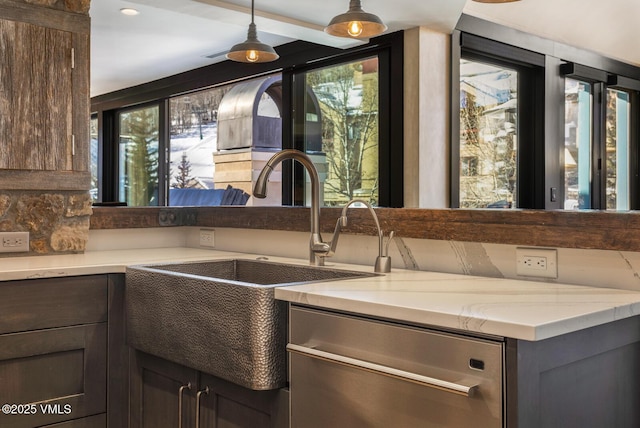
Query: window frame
point(601, 81)
point(390, 101)
point(529, 65)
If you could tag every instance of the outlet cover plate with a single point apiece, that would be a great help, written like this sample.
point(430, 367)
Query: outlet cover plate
point(537, 262)
point(14, 242)
point(207, 238)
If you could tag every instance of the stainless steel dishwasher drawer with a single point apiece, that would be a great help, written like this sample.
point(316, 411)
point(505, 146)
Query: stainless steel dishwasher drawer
point(352, 372)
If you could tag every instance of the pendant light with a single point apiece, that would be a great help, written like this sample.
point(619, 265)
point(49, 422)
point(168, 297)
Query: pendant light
point(252, 50)
point(355, 23)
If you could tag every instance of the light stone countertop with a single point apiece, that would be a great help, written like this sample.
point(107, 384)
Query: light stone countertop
point(503, 307)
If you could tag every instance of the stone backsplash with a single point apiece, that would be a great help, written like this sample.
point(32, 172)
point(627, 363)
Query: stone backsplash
point(57, 221)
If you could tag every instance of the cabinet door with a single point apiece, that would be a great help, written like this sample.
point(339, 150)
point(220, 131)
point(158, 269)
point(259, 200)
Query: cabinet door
point(227, 405)
point(155, 393)
point(60, 372)
point(36, 88)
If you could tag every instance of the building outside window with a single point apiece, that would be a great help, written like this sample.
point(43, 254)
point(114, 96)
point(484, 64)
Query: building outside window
point(617, 137)
point(488, 135)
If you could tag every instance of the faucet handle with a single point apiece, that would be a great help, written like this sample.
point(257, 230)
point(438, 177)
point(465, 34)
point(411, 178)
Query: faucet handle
point(320, 247)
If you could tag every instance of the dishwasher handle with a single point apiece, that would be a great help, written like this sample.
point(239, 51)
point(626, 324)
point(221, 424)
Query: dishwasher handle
point(443, 385)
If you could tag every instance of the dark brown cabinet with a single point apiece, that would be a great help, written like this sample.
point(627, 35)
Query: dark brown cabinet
point(53, 352)
point(168, 395)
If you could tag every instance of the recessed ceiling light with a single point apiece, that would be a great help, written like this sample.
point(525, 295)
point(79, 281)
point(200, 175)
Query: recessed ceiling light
point(129, 11)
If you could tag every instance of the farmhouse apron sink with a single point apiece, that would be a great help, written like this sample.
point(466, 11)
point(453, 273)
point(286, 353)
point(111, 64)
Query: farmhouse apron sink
point(219, 317)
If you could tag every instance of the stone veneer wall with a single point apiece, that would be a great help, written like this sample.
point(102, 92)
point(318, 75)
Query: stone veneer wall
point(57, 222)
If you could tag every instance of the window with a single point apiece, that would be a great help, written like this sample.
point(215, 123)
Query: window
point(617, 137)
point(341, 131)
point(215, 137)
point(598, 139)
point(496, 155)
point(533, 127)
point(469, 166)
point(488, 134)
point(577, 144)
point(138, 175)
point(193, 140)
point(589, 154)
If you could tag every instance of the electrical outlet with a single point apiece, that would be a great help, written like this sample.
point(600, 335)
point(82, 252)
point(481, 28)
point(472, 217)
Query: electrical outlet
point(14, 242)
point(537, 262)
point(207, 238)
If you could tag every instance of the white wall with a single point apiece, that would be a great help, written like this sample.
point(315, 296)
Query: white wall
point(426, 118)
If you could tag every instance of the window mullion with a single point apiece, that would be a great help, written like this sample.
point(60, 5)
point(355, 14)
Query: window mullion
point(163, 150)
point(598, 165)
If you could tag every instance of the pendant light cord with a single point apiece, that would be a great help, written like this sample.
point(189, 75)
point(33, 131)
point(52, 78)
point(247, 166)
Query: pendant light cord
point(252, 5)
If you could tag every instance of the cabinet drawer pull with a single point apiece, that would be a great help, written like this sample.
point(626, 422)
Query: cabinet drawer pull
point(455, 388)
point(180, 394)
point(198, 395)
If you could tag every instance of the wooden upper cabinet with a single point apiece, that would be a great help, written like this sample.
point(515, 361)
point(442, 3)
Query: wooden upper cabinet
point(44, 98)
point(36, 86)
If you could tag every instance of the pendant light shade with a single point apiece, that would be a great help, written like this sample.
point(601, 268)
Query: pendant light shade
point(355, 23)
point(252, 50)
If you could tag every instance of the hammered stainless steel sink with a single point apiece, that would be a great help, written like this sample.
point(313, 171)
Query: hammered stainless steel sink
point(219, 317)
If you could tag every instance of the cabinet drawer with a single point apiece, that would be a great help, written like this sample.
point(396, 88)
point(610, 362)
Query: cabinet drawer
point(64, 368)
point(56, 302)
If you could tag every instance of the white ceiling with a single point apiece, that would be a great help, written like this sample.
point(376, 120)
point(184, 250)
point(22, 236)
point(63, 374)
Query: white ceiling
point(172, 36)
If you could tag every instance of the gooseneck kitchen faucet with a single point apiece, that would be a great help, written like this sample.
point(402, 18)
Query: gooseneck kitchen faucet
point(318, 249)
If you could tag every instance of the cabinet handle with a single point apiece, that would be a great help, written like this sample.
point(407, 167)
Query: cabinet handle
point(198, 395)
point(180, 394)
point(456, 388)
